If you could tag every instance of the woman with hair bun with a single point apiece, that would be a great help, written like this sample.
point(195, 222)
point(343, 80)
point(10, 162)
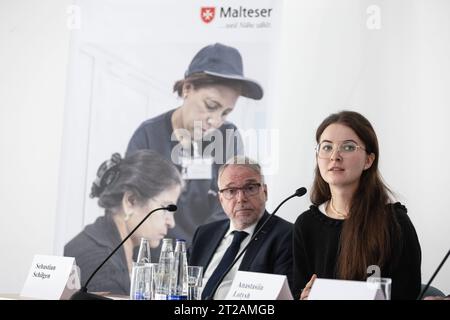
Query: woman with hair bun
point(127, 189)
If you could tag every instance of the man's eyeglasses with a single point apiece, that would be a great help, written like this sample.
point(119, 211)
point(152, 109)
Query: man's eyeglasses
point(325, 149)
point(249, 190)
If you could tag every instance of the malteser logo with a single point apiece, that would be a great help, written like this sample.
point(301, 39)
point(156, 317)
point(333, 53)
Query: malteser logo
point(207, 14)
point(237, 17)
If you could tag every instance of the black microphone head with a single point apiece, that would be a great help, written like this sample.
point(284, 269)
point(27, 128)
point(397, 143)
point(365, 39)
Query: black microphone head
point(171, 207)
point(300, 192)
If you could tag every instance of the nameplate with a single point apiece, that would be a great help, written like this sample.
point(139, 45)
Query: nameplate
point(331, 289)
point(51, 277)
point(259, 286)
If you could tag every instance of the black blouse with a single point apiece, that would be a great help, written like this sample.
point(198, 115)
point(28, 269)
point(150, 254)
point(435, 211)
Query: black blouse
point(316, 242)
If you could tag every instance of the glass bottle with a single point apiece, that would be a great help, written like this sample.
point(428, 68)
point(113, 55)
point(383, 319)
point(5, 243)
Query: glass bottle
point(164, 270)
point(179, 275)
point(144, 252)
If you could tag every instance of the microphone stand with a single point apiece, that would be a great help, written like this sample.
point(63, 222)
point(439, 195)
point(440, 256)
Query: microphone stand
point(298, 193)
point(83, 294)
point(434, 275)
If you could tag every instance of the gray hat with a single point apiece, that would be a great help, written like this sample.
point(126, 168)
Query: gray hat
point(224, 62)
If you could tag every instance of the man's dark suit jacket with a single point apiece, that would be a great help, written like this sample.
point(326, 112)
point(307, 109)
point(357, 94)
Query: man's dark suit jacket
point(270, 252)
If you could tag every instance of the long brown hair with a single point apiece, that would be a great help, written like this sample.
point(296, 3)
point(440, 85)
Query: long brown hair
point(366, 236)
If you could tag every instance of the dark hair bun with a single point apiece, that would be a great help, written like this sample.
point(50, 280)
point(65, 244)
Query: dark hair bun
point(107, 174)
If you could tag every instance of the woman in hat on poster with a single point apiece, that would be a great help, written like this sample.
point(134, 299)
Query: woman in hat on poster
point(196, 136)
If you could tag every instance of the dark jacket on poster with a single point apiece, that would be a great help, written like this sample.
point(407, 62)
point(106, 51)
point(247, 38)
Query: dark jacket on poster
point(90, 247)
point(198, 203)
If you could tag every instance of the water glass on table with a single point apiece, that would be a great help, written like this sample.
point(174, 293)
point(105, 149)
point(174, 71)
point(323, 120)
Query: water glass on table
point(142, 283)
point(195, 277)
point(383, 286)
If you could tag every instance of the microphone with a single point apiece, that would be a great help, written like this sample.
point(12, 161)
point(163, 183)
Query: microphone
point(298, 193)
point(433, 276)
point(83, 294)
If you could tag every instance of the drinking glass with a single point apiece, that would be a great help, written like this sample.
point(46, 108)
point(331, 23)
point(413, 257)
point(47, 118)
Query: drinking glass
point(195, 277)
point(141, 280)
point(154, 278)
point(383, 286)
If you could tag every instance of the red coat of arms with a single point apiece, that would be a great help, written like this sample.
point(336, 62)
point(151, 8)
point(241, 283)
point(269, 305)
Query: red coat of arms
point(207, 14)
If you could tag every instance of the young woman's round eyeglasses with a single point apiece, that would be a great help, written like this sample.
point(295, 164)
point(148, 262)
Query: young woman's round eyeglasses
point(325, 149)
point(249, 190)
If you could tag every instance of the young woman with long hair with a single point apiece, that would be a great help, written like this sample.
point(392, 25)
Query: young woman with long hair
point(353, 226)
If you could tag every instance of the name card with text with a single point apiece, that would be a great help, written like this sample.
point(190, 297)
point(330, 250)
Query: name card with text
point(259, 286)
point(51, 277)
point(331, 289)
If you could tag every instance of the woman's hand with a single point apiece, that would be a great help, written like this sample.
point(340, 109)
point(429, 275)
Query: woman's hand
point(305, 292)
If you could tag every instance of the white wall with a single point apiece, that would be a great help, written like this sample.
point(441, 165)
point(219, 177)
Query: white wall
point(398, 76)
point(33, 55)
